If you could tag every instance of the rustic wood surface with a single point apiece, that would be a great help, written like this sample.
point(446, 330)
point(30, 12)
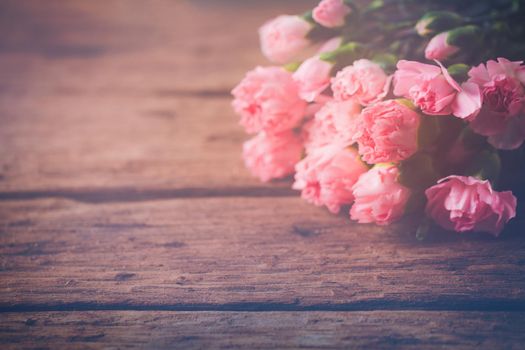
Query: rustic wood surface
point(269, 330)
point(242, 253)
point(128, 220)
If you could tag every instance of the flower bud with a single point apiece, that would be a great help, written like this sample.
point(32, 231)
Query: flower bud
point(439, 49)
point(467, 36)
point(437, 21)
point(284, 37)
point(446, 44)
point(331, 13)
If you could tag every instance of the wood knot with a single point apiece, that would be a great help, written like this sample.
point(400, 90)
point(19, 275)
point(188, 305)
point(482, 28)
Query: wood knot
point(304, 231)
point(124, 276)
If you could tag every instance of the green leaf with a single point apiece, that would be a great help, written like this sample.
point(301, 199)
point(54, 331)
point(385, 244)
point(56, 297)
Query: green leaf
point(375, 5)
point(347, 53)
point(459, 71)
point(292, 66)
point(407, 103)
point(387, 61)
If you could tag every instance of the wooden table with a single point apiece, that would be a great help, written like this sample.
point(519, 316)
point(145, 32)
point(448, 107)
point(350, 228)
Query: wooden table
point(128, 220)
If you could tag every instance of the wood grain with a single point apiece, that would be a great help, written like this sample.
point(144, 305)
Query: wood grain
point(69, 143)
point(124, 94)
point(268, 330)
point(242, 253)
point(128, 220)
point(134, 45)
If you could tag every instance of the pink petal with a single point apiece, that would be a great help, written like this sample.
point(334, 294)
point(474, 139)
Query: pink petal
point(449, 79)
point(468, 101)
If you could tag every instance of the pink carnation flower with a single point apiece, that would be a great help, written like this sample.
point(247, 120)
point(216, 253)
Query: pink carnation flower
point(331, 13)
point(331, 45)
point(334, 123)
point(439, 49)
point(379, 197)
point(364, 81)
point(313, 77)
point(283, 38)
point(272, 156)
point(462, 203)
point(502, 117)
point(268, 99)
point(387, 132)
point(433, 90)
point(326, 176)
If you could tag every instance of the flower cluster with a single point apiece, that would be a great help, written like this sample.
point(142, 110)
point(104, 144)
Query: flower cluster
point(386, 119)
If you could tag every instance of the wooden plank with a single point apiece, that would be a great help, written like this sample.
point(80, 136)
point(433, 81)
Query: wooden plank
point(132, 44)
point(62, 142)
point(242, 254)
point(268, 330)
point(127, 95)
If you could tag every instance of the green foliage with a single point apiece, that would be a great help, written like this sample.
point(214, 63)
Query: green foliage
point(465, 37)
point(434, 22)
point(459, 71)
point(387, 61)
point(345, 55)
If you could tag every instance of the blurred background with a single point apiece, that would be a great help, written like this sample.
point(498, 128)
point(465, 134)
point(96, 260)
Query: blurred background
point(125, 93)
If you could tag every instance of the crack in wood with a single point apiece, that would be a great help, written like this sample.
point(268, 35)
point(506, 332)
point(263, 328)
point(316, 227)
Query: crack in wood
point(111, 195)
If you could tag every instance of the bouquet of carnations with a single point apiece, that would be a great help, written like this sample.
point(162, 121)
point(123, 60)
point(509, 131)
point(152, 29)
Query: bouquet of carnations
point(390, 107)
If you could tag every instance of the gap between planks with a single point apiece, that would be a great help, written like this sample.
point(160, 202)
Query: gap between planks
point(363, 306)
point(128, 194)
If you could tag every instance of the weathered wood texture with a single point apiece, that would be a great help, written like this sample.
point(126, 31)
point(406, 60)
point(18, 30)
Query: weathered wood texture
point(124, 94)
point(269, 330)
point(242, 253)
point(122, 188)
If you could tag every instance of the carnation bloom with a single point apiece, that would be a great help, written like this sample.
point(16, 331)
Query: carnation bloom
point(327, 174)
point(334, 123)
point(331, 13)
point(502, 117)
point(462, 203)
point(284, 37)
point(272, 156)
point(433, 90)
point(268, 99)
point(439, 49)
point(378, 196)
point(387, 132)
point(364, 81)
point(313, 77)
